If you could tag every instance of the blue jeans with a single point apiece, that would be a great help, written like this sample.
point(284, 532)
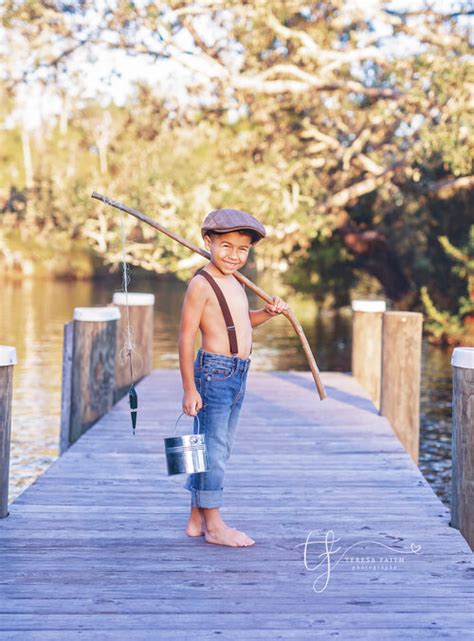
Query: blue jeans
point(220, 380)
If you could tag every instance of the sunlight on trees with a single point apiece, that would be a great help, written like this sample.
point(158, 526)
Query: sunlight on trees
point(344, 127)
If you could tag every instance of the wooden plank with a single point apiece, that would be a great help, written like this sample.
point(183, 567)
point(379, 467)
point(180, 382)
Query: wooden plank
point(333, 604)
point(228, 619)
point(229, 634)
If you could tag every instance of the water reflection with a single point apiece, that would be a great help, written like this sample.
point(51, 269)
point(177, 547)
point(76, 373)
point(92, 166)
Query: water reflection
point(32, 320)
point(435, 419)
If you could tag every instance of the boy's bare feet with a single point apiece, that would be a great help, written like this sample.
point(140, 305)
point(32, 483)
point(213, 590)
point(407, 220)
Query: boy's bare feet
point(217, 532)
point(225, 535)
point(196, 522)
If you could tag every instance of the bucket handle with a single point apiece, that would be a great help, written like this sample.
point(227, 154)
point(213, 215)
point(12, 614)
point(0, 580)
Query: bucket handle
point(182, 413)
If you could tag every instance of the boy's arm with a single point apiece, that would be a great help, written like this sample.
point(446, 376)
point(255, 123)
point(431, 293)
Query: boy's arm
point(191, 313)
point(259, 316)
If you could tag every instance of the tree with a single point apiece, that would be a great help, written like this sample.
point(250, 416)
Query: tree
point(351, 122)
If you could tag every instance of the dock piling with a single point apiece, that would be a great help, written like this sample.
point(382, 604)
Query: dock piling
point(401, 371)
point(140, 313)
point(88, 370)
point(367, 345)
point(68, 340)
point(462, 483)
point(7, 362)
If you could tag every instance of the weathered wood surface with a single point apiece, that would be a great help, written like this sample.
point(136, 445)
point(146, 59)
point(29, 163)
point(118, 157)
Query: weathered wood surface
point(141, 328)
point(366, 354)
point(463, 452)
point(93, 374)
point(96, 549)
point(66, 381)
point(6, 391)
point(401, 371)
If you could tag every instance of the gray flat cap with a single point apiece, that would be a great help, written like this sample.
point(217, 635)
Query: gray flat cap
point(230, 220)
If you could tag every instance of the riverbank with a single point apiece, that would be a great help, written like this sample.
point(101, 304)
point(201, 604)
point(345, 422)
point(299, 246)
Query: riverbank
point(38, 257)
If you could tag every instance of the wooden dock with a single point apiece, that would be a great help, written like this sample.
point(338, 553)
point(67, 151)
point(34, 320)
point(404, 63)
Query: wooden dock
point(95, 549)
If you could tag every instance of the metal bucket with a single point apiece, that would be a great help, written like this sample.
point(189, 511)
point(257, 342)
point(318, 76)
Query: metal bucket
point(186, 454)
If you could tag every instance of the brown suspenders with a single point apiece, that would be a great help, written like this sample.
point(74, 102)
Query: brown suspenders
point(225, 310)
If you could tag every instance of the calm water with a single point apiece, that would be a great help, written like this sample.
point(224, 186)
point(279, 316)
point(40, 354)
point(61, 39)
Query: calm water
point(32, 318)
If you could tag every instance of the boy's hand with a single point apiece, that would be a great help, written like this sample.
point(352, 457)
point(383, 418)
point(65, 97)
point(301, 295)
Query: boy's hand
point(276, 307)
point(192, 402)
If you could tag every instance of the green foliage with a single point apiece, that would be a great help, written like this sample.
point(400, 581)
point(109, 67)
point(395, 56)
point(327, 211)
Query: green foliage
point(443, 326)
point(326, 272)
point(445, 136)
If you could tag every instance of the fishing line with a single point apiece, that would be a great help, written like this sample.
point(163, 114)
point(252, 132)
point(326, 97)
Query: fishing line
point(128, 349)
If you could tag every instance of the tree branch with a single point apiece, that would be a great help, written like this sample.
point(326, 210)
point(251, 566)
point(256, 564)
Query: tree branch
point(447, 188)
point(329, 59)
point(342, 198)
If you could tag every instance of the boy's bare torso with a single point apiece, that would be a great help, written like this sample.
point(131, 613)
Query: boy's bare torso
point(212, 324)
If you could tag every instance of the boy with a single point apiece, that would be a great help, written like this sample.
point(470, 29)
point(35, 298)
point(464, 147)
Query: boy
point(214, 386)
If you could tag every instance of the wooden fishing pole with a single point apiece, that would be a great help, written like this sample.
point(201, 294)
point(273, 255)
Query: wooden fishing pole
point(290, 315)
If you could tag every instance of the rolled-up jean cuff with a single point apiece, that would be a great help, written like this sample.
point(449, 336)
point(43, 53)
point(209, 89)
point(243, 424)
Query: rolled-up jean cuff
point(206, 498)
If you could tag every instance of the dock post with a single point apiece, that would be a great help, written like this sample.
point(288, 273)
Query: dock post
point(92, 367)
point(401, 371)
point(68, 340)
point(7, 361)
point(367, 345)
point(462, 484)
point(140, 312)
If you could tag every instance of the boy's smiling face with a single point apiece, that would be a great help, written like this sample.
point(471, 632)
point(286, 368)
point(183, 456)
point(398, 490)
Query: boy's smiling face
point(229, 251)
